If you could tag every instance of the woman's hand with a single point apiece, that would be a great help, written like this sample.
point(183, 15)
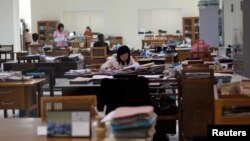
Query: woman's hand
point(112, 67)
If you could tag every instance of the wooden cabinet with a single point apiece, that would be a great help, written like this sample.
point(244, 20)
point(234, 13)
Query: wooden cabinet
point(45, 30)
point(191, 28)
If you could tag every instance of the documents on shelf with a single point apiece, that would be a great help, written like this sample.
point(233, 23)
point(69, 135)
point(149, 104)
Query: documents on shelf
point(80, 80)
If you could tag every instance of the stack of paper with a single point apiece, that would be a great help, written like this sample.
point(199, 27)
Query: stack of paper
point(80, 80)
point(133, 123)
point(98, 78)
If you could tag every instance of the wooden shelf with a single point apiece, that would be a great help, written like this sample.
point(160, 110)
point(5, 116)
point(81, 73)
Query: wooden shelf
point(191, 28)
point(45, 30)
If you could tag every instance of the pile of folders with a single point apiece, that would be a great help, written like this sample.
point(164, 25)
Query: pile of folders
point(133, 124)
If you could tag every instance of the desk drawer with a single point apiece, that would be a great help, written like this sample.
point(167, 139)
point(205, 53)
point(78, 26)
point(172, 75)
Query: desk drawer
point(12, 97)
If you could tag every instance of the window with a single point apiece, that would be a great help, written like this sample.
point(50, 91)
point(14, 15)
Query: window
point(168, 20)
point(78, 20)
point(25, 12)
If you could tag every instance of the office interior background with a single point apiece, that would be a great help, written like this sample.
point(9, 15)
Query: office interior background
point(120, 18)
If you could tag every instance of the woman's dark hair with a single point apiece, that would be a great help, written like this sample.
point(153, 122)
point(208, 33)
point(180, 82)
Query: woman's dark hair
point(59, 26)
point(35, 37)
point(122, 50)
point(89, 28)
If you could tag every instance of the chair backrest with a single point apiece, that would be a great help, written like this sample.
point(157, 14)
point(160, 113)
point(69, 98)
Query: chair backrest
point(195, 66)
point(157, 43)
point(54, 53)
point(76, 43)
point(123, 92)
point(10, 50)
point(98, 52)
point(149, 37)
point(7, 47)
point(34, 49)
point(21, 54)
point(60, 103)
point(28, 59)
point(160, 37)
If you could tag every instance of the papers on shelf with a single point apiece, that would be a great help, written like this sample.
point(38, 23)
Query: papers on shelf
point(52, 59)
point(150, 76)
point(80, 80)
point(101, 77)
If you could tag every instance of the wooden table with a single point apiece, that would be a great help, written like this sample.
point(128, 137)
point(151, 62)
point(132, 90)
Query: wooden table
point(59, 67)
point(25, 129)
point(76, 89)
point(21, 95)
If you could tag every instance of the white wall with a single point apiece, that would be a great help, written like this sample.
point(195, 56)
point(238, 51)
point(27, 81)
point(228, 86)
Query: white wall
point(232, 20)
point(169, 19)
point(9, 15)
point(120, 15)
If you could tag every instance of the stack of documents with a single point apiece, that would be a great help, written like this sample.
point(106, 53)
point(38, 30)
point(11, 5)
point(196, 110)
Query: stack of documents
point(98, 78)
point(80, 80)
point(133, 123)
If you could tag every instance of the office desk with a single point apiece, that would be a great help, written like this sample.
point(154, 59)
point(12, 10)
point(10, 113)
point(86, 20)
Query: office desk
point(21, 95)
point(25, 129)
point(76, 89)
point(150, 60)
point(91, 88)
point(59, 67)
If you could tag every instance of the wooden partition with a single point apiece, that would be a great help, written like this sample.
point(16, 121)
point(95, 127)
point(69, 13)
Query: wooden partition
point(222, 102)
point(197, 102)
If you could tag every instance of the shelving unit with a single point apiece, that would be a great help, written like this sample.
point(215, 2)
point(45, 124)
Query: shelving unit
point(191, 28)
point(45, 30)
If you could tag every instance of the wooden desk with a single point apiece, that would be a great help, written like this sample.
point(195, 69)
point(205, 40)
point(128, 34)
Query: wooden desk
point(25, 129)
point(76, 89)
point(183, 53)
point(149, 42)
point(21, 95)
point(59, 67)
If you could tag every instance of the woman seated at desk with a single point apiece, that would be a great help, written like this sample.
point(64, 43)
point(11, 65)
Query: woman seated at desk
point(120, 60)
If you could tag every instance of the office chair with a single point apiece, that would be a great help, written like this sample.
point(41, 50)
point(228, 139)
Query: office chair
point(130, 92)
point(8, 52)
point(125, 91)
point(34, 49)
point(60, 103)
point(98, 56)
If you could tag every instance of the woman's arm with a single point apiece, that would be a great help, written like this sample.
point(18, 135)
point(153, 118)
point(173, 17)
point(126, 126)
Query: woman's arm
point(106, 65)
point(133, 62)
point(55, 34)
point(110, 64)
